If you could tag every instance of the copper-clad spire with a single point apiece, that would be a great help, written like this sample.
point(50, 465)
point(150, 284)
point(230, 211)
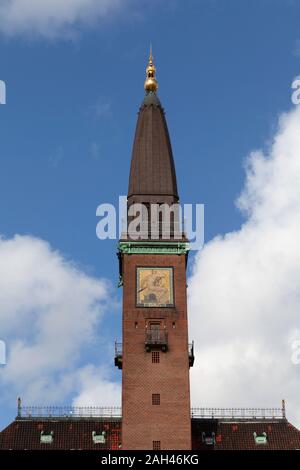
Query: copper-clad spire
point(152, 173)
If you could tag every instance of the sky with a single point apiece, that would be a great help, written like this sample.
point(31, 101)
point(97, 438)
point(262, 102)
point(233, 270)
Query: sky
point(74, 74)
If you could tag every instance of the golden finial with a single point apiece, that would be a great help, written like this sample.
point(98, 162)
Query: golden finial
point(150, 82)
point(150, 55)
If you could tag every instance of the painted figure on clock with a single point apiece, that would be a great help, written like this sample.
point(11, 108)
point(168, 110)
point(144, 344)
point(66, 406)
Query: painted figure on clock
point(155, 287)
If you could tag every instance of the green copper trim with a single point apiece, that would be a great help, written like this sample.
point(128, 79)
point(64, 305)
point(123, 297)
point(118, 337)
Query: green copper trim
point(160, 248)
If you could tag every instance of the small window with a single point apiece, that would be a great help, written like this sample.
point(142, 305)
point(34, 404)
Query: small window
point(98, 437)
point(208, 438)
point(155, 357)
point(46, 437)
point(155, 399)
point(156, 445)
point(260, 438)
point(136, 325)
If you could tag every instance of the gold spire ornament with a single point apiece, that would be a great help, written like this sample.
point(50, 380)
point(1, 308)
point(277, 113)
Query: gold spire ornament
point(150, 82)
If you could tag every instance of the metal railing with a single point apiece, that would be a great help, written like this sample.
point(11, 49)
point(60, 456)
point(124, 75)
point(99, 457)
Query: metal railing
point(156, 338)
point(116, 412)
point(238, 413)
point(69, 412)
point(118, 355)
point(191, 354)
point(118, 349)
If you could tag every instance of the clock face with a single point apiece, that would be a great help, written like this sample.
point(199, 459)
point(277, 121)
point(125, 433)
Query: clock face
point(155, 287)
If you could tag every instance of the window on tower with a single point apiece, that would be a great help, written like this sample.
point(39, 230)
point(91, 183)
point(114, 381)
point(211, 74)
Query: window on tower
point(155, 398)
point(155, 357)
point(156, 445)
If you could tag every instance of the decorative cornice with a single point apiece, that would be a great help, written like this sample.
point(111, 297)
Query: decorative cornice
point(160, 248)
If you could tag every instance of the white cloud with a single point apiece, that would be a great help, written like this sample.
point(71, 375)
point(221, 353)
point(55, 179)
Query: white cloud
point(96, 389)
point(244, 292)
point(50, 313)
point(52, 18)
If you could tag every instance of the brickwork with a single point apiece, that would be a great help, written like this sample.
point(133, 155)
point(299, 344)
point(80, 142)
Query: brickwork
point(142, 422)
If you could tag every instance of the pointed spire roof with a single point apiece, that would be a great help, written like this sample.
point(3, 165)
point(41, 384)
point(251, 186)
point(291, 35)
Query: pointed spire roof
point(152, 172)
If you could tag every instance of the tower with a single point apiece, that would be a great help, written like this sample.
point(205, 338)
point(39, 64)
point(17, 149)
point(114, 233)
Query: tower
point(155, 355)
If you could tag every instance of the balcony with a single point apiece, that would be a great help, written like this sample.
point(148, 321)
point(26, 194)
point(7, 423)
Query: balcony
point(191, 354)
point(118, 355)
point(156, 339)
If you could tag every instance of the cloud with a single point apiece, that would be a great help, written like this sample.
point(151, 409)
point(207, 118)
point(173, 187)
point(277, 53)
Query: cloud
point(244, 292)
point(50, 317)
point(53, 18)
point(96, 388)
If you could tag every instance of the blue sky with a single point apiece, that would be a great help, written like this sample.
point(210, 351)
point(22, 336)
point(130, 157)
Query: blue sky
point(225, 71)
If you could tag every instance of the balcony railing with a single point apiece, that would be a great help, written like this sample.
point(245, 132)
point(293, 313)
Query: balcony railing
point(156, 339)
point(118, 355)
point(191, 354)
point(153, 340)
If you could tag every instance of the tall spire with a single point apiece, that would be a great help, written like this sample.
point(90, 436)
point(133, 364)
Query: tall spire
point(151, 84)
point(152, 173)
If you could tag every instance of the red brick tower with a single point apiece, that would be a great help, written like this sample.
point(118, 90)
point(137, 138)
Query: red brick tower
point(155, 357)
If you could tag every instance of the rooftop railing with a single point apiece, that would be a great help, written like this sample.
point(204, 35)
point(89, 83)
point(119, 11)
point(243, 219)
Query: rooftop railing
point(116, 412)
point(69, 412)
point(238, 413)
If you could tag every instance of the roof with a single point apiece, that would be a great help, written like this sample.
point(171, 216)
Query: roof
point(207, 434)
point(67, 434)
point(152, 169)
point(215, 434)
